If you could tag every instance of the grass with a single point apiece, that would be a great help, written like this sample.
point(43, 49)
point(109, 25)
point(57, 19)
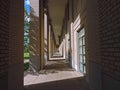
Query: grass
point(26, 55)
point(26, 65)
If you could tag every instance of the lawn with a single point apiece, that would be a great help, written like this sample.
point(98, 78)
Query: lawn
point(26, 65)
point(26, 55)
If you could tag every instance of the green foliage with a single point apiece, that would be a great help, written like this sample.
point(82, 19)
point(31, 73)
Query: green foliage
point(26, 55)
point(26, 38)
point(26, 31)
point(26, 66)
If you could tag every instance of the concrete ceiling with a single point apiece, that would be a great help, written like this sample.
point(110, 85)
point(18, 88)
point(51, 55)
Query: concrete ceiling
point(56, 11)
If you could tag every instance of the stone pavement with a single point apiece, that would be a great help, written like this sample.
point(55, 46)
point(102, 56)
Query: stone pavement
point(57, 75)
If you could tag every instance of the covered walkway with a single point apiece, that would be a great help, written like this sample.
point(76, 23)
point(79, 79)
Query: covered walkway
point(86, 33)
point(57, 75)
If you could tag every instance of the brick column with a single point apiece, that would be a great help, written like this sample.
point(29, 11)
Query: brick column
point(16, 39)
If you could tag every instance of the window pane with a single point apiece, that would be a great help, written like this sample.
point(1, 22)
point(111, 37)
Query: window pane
point(80, 40)
point(83, 40)
point(80, 58)
point(83, 49)
point(83, 59)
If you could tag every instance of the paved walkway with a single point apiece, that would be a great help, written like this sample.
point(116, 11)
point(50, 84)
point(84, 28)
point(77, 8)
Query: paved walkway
point(57, 75)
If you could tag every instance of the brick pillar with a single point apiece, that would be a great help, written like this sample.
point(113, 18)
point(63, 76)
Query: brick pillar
point(16, 39)
point(11, 44)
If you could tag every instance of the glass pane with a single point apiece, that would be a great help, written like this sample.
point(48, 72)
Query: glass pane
point(84, 69)
point(83, 59)
point(81, 33)
point(81, 67)
point(80, 58)
point(83, 49)
point(80, 40)
point(83, 40)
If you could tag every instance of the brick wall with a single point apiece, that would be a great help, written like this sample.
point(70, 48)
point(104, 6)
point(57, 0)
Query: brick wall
point(109, 31)
point(4, 36)
point(16, 33)
point(109, 35)
point(11, 44)
point(16, 45)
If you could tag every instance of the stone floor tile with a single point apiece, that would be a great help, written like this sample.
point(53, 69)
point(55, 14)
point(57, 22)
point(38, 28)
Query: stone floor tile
point(57, 75)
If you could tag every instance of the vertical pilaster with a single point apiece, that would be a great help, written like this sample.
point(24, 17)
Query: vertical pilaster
point(41, 24)
point(35, 34)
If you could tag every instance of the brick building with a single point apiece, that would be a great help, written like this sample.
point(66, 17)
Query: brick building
point(89, 40)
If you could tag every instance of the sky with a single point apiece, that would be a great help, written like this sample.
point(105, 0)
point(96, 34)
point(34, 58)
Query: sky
point(27, 5)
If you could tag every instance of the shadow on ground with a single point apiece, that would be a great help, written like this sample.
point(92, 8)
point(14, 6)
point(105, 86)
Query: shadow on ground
point(56, 66)
point(51, 68)
point(67, 84)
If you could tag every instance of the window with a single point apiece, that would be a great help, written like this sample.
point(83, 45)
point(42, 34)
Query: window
point(81, 50)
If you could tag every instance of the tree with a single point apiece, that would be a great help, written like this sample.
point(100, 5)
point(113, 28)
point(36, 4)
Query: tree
point(26, 31)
